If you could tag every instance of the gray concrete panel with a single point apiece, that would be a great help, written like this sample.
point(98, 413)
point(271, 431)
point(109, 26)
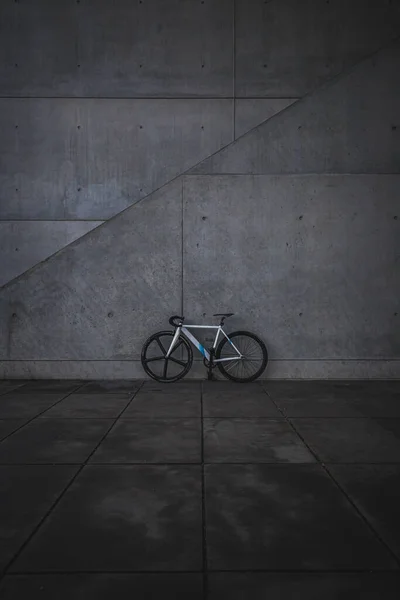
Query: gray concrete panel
point(307, 262)
point(103, 295)
point(348, 126)
point(90, 159)
point(287, 49)
point(120, 49)
point(39, 163)
point(23, 244)
point(130, 148)
point(39, 45)
point(157, 48)
point(250, 112)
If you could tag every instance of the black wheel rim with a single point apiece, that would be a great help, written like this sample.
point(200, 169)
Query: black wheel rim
point(253, 357)
point(155, 360)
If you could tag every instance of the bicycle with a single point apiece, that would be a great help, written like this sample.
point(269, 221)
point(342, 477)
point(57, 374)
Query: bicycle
point(240, 356)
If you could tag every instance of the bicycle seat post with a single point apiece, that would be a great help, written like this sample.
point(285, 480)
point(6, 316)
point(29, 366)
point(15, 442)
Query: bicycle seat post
point(223, 317)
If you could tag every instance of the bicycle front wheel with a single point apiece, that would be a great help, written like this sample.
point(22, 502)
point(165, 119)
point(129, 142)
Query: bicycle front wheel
point(158, 366)
point(254, 357)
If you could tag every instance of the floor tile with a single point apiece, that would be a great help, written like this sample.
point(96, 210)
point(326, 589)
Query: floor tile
point(112, 387)
point(122, 518)
point(96, 406)
point(239, 404)
point(8, 426)
point(349, 440)
point(392, 425)
point(224, 385)
point(308, 390)
point(375, 489)
point(333, 399)
point(152, 441)
point(26, 495)
point(253, 440)
point(158, 405)
point(296, 586)
point(337, 389)
point(16, 406)
point(53, 441)
point(372, 387)
point(290, 517)
point(51, 386)
point(382, 405)
point(7, 385)
point(322, 406)
point(171, 388)
point(179, 586)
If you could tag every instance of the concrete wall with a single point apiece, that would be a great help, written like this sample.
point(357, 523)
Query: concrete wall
point(317, 275)
point(307, 259)
point(293, 226)
point(103, 102)
point(36, 240)
point(350, 125)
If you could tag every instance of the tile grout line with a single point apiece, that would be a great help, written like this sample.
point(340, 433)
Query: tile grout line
point(191, 464)
point(214, 571)
point(339, 487)
point(39, 414)
point(12, 389)
point(203, 503)
point(5, 569)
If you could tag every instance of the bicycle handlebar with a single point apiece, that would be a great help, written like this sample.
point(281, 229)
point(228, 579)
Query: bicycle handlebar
point(172, 320)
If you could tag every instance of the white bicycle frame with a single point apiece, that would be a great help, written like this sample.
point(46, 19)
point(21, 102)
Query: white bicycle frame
point(185, 330)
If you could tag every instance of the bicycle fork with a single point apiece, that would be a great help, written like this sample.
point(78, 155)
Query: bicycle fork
point(172, 346)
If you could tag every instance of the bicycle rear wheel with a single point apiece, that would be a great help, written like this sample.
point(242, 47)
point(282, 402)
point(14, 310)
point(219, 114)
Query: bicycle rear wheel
point(253, 363)
point(158, 366)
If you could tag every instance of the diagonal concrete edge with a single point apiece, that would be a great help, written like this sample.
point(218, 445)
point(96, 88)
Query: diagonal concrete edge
point(219, 161)
point(99, 296)
point(210, 164)
point(146, 198)
point(277, 107)
point(327, 131)
point(24, 244)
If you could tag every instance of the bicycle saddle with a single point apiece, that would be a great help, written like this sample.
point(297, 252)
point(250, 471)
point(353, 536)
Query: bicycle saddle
point(224, 315)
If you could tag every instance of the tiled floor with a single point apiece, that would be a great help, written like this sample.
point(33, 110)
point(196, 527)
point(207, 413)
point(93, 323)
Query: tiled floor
point(271, 490)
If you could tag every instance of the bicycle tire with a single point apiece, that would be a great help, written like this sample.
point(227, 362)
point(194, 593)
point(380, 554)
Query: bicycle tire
point(227, 371)
point(146, 360)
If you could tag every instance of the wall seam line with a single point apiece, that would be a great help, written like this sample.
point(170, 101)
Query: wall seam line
point(234, 67)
